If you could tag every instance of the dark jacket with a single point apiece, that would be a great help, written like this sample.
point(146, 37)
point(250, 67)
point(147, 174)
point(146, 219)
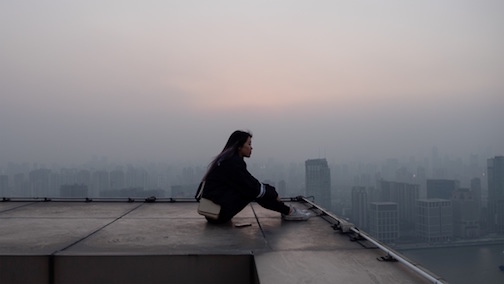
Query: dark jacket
point(230, 181)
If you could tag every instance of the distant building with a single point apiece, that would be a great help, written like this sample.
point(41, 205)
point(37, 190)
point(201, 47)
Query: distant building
point(405, 195)
point(39, 183)
point(282, 188)
point(466, 214)
point(21, 186)
point(4, 185)
point(318, 181)
point(384, 221)
point(55, 181)
point(117, 179)
point(441, 188)
point(476, 190)
point(360, 207)
point(68, 176)
point(434, 220)
point(100, 182)
point(133, 192)
point(83, 177)
point(496, 194)
point(74, 190)
point(421, 179)
point(136, 177)
point(183, 191)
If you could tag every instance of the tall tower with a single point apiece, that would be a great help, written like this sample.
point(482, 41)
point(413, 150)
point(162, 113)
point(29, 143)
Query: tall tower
point(359, 207)
point(476, 190)
point(117, 179)
point(466, 214)
point(384, 221)
point(496, 194)
point(101, 183)
point(282, 188)
point(4, 185)
point(405, 196)
point(318, 181)
point(39, 182)
point(434, 220)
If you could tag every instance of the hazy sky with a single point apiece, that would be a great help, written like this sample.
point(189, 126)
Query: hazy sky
point(171, 80)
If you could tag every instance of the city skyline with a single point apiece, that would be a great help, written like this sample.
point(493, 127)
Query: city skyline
point(466, 210)
point(344, 176)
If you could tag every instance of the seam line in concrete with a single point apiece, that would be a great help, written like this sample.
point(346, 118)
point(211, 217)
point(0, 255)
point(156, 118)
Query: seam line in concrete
point(14, 208)
point(96, 231)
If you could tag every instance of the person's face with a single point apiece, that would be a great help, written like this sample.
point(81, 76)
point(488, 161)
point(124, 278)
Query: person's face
point(246, 149)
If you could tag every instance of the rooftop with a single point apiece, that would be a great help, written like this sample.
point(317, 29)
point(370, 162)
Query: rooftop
point(120, 241)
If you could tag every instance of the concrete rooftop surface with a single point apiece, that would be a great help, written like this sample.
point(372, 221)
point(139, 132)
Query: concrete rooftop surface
point(166, 241)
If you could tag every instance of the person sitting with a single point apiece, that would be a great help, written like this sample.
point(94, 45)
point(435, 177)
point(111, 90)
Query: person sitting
point(229, 184)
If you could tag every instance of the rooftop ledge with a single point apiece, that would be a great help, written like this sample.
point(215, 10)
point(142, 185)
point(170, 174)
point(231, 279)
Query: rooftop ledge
point(165, 240)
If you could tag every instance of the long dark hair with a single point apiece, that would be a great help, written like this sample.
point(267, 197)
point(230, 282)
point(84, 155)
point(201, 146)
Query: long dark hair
point(235, 141)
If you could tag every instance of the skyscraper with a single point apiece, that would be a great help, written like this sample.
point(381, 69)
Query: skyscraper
point(74, 190)
point(282, 188)
point(384, 221)
point(100, 182)
point(39, 182)
point(434, 220)
point(359, 207)
point(4, 185)
point(496, 194)
point(476, 191)
point(117, 180)
point(405, 195)
point(466, 214)
point(21, 186)
point(318, 181)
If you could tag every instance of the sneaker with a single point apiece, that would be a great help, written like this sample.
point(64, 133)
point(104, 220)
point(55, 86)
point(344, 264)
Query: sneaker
point(296, 215)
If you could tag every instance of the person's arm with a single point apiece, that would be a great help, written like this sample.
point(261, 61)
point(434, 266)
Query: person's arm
point(247, 184)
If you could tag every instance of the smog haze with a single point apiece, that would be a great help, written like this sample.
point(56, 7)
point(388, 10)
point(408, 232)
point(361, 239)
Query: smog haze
point(170, 80)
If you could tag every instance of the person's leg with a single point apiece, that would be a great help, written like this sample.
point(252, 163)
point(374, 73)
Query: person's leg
point(232, 206)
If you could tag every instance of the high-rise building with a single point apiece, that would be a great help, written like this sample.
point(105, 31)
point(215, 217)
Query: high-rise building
point(282, 188)
point(100, 182)
point(39, 183)
point(68, 176)
point(405, 195)
point(441, 188)
point(117, 180)
point(183, 191)
point(434, 220)
point(476, 190)
point(496, 194)
point(136, 177)
point(318, 181)
point(421, 179)
point(466, 214)
point(360, 207)
point(74, 190)
point(84, 177)
point(384, 221)
point(55, 181)
point(4, 185)
point(21, 186)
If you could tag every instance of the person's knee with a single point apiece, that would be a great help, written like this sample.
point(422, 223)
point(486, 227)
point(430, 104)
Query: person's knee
point(270, 192)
